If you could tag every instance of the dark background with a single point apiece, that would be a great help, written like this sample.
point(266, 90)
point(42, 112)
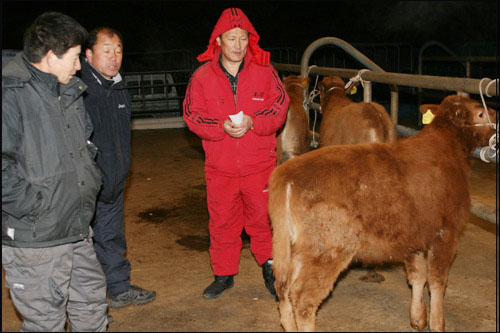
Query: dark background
point(166, 25)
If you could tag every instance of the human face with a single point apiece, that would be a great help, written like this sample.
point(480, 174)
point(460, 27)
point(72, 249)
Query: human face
point(233, 44)
point(106, 55)
point(64, 67)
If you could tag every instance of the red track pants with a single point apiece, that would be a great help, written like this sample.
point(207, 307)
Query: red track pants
point(234, 204)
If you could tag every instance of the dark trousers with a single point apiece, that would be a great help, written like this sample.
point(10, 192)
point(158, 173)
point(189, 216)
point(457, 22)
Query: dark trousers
point(110, 245)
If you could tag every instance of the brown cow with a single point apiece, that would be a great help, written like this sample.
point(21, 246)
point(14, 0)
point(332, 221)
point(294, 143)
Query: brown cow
point(295, 136)
point(403, 201)
point(347, 122)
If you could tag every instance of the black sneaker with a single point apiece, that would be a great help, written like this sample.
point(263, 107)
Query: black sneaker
point(135, 295)
point(220, 284)
point(267, 273)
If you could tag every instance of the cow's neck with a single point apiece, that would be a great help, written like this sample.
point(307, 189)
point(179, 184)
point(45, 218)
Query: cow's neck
point(295, 90)
point(335, 102)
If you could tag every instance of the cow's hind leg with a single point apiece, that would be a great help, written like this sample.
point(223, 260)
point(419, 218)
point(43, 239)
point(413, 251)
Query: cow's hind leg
point(313, 284)
point(439, 259)
point(416, 272)
point(287, 318)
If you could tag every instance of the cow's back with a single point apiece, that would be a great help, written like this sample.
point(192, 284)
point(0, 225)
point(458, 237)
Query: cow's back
point(356, 123)
point(388, 194)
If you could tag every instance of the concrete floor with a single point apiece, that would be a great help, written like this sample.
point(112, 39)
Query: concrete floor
point(167, 236)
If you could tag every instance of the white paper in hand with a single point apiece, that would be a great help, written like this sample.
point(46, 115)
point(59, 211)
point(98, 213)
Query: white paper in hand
point(236, 118)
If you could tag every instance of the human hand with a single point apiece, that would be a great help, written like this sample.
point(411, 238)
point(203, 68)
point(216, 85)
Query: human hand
point(238, 130)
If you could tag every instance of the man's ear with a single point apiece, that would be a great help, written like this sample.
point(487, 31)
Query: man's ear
point(218, 40)
point(51, 55)
point(89, 54)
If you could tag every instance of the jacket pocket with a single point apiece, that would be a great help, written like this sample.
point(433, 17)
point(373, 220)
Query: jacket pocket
point(92, 149)
point(37, 210)
point(25, 256)
point(26, 271)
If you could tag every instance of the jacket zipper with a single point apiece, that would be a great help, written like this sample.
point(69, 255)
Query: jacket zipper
point(80, 213)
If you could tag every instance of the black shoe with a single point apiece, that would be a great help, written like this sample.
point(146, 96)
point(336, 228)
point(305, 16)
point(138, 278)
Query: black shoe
point(135, 295)
point(220, 284)
point(267, 273)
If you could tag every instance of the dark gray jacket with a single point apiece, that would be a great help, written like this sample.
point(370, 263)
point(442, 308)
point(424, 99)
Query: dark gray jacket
point(49, 178)
point(109, 107)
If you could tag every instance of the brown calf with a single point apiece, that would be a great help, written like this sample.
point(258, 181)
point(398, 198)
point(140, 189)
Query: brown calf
point(403, 201)
point(295, 136)
point(347, 122)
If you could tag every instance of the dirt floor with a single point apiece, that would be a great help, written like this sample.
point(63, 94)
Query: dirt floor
point(167, 237)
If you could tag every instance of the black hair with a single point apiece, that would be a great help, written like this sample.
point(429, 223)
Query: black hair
point(52, 31)
point(104, 30)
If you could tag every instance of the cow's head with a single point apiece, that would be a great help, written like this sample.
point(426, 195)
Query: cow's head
point(466, 114)
point(295, 85)
point(331, 86)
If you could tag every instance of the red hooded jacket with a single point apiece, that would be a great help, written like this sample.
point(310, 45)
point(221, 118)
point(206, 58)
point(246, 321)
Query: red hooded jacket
point(209, 101)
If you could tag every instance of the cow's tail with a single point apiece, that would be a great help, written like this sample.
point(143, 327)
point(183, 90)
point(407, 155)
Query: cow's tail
point(284, 232)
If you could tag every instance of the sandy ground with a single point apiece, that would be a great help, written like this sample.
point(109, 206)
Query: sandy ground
point(167, 235)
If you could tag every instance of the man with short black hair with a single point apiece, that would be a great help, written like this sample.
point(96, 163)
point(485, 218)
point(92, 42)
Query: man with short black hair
point(108, 104)
point(49, 183)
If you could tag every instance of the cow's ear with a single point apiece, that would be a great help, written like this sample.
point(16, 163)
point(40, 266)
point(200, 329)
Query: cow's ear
point(426, 107)
point(428, 112)
point(321, 87)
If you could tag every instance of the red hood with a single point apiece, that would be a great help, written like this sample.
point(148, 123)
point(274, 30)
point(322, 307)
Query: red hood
point(235, 18)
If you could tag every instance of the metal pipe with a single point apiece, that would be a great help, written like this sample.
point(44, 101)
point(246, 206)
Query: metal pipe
point(407, 131)
point(394, 106)
point(304, 64)
point(420, 61)
point(367, 91)
point(484, 211)
point(411, 80)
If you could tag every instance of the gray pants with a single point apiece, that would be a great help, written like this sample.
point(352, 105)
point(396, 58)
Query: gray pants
point(44, 283)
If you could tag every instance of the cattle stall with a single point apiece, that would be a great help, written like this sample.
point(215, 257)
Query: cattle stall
point(374, 73)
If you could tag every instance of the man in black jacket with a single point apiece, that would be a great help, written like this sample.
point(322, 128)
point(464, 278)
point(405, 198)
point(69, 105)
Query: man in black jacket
point(108, 104)
point(50, 183)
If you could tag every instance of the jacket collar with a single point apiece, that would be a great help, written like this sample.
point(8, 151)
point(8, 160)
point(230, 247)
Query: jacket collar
point(93, 74)
point(47, 79)
point(20, 71)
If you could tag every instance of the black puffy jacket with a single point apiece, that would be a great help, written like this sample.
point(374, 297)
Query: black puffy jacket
point(108, 104)
point(49, 178)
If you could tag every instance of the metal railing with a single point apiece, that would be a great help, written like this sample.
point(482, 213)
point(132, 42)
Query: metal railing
point(376, 74)
point(157, 93)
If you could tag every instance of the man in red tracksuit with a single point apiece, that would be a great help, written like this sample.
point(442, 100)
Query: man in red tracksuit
point(239, 156)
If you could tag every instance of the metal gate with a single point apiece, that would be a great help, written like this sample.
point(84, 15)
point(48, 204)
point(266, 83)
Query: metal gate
point(373, 73)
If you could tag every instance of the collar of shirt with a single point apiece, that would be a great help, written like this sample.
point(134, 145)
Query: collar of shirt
point(233, 80)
